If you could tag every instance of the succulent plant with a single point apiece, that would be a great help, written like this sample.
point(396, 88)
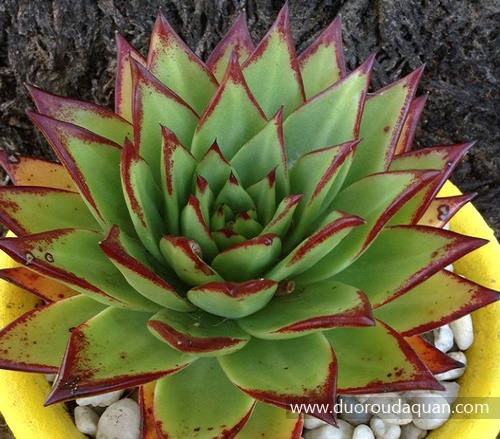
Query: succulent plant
point(239, 235)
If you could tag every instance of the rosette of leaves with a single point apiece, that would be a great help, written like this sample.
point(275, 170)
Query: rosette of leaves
point(239, 235)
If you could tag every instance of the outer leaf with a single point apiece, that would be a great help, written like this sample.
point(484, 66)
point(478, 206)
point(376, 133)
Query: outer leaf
point(335, 113)
point(441, 210)
point(36, 341)
point(99, 359)
point(214, 417)
point(146, 404)
point(223, 119)
point(273, 372)
point(176, 66)
point(307, 309)
point(131, 259)
point(73, 256)
point(407, 134)
point(249, 259)
point(233, 300)
point(36, 209)
point(421, 309)
point(92, 117)
point(419, 251)
point(30, 171)
point(237, 40)
point(377, 359)
point(93, 163)
point(47, 289)
point(322, 63)
point(197, 333)
point(272, 71)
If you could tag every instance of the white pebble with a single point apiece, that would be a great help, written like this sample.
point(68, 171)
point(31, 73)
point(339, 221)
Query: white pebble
point(463, 332)
point(121, 420)
point(411, 431)
point(430, 412)
point(363, 432)
point(443, 338)
point(391, 409)
point(453, 374)
point(451, 391)
point(86, 420)
point(342, 431)
point(353, 411)
point(381, 430)
point(103, 400)
point(310, 422)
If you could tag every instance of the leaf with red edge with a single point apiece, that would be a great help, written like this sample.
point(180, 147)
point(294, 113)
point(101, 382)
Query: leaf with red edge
point(441, 210)
point(146, 404)
point(237, 40)
point(178, 68)
point(322, 63)
point(215, 417)
point(37, 209)
point(421, 309)
point(284, 372)
point(223, 119)
point(283, 217)
point(307, 309)
point(198, 333)
point(124, 84)
point(36, 341)
point(92, 117)
point(41, 286)
point(377, 359)
point(272, 71)
point(214, 168)
point(30, 171)
point(434, 359)
point(112, 351)
point(407, 134)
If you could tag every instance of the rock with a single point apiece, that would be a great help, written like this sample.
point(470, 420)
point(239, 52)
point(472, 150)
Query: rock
point(103, 400)
point(363, 432)
point(381, 430)
point(86, 420)
point(343, 431)
point(391, 409)
point(310, 422)
point(451, 391)
point(443, 338)
point(121, 420)
point(463, 332)
point(430, 412)
point(353, 411)
point(411, 431)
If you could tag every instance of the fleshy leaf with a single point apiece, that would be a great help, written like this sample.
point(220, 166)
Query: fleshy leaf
point(30, 171)
point(249, 259)
point(36, 342)
point(425, 251)
point(176, 66)
point(37, 209)
point(214, 168)
point(376, 359)
point(284, 372)
point(214, 417)
point(99, 353)
point(407, 134)
point(235, 196)
point(263, 194)
point(223, 122)
point(272, 71)
point(233, 300)
point(73, 256)
point(322, 63)
point(283, 216)
point(131, 259)
point(421, 309)
point(441, 210)
point(309, 308)
point(245, 225)
point(197, 333)
point(146, 404)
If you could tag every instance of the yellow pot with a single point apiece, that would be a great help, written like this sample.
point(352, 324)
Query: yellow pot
point(22, 394)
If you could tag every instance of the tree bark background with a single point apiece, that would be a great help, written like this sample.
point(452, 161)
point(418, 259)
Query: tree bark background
point(67, 47)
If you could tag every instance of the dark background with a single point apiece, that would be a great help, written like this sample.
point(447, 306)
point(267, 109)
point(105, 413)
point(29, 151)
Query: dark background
point(67, 47)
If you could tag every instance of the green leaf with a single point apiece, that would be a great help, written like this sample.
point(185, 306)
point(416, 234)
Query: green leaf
point(405, 140)
point(376, 359)
point(34, 209)
point(233, 300)
point(263, 194)
point(335, 114)
point(226, 237)
point(272, 70)
point(112, 351)
point(419, 251)
point(36, 342)
point(198, 333)
point(442, 209)
point(245, 225)
point(234, 196)
point(132, 261)
point(249, 259)
point(420, 309)
point(73, 257)
point(232, 117)
point(214, 168)
point(322, 63)
point(307, 309)
point(201, 383)
point(283, 217)
point(284, 372)
point(178, 68)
